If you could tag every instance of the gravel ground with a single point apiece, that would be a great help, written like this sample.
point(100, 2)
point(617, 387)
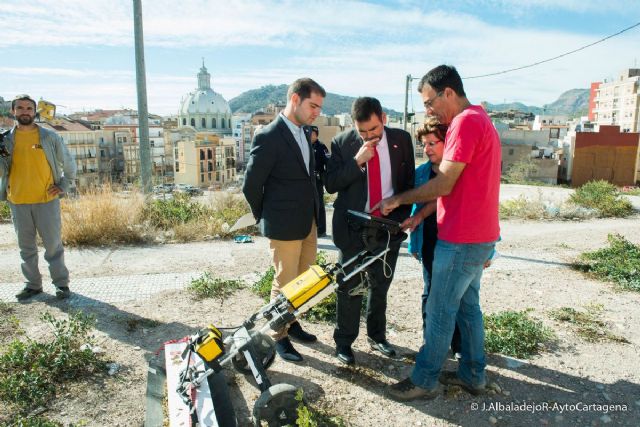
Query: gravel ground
point(533, 272)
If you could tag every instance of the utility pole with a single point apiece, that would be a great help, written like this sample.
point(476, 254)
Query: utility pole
point(406, 101)
point(143, 113)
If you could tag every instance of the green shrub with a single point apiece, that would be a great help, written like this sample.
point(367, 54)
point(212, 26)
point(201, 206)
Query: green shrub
point(207, 286)
point(32, 371)
point(166, 214)
point(619, 263)
point(603, 197)
point(32, 421)
point(262, 287)
point(587, 324)
point(5, 212)
point(514, 333)
point(309, 416)
point(523, 208)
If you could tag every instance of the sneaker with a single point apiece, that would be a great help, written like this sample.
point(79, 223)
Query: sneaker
point(63, 292)
point(451, 378)
point(406, 390)
point(27, 293)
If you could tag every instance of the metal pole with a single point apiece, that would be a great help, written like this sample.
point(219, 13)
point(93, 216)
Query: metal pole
point(406, 102)
point(143, 113)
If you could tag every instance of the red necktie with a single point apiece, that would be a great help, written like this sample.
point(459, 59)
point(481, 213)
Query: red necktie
point(375, 184)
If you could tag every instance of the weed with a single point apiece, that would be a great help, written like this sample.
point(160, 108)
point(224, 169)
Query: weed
point(132, 324)
point(33, 371)
point(262, 287)
point(519, 173)
point(309, 416)
point(514, 333)
point(165, 214)
point(603, 197)
point(32, 421)
point(524, 208)
point(207, 286)
point(619, 263)
point(5, 212)
point(587, 323)
point(101, 217)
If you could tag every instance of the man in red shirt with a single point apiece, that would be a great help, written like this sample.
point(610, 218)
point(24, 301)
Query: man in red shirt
point(467, 190)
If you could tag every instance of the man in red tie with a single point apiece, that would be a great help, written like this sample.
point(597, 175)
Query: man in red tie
point(367, 164)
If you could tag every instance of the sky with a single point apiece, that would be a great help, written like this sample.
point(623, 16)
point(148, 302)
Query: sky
point(80, 54)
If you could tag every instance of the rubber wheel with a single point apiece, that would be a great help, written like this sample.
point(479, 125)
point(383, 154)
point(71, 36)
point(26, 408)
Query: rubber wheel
point(264, 346)
point(277, 406)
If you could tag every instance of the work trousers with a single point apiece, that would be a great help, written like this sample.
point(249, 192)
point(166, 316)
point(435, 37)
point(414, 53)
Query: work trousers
point(41, 219)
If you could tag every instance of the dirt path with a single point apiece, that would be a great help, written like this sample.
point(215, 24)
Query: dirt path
point(533, 272)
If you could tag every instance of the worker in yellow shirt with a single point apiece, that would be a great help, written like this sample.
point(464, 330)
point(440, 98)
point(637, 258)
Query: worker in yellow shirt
point(35, 170)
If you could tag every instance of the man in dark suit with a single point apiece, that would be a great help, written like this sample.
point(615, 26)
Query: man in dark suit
point(321, 156)
point(279, 185)
point(367, 163)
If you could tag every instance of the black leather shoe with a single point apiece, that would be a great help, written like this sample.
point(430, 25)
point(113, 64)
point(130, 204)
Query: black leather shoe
point(63, 292)
point(296, 332)
point(383, 347)
point(285, 349)
point(27, 293)
point(345, 355)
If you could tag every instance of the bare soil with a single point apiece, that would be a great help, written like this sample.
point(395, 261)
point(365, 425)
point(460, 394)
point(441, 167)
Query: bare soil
point(533, 272)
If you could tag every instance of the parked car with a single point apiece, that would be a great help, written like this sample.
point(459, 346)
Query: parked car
point(189, 189)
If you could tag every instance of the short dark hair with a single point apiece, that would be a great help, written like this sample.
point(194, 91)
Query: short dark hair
point(364, 107)
point(432, 125)
point(304, 87)
point(441, 77)
point(23, 97)
point(314, 129)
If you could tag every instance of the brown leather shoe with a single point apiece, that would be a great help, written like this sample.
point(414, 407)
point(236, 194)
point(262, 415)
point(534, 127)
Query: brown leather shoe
point(451, 378)
point(406, 390)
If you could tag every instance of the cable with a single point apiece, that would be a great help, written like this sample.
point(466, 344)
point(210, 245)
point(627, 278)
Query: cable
point(555, 57)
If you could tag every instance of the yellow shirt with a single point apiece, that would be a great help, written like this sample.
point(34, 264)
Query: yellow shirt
point(30, 175)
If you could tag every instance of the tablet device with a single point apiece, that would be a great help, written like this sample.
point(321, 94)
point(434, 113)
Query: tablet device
point(369, 220)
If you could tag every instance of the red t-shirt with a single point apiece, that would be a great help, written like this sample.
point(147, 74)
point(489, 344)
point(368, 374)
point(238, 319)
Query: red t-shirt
point(469, 214)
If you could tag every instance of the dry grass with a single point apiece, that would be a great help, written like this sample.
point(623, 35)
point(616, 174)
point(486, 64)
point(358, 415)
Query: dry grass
point(102, 217)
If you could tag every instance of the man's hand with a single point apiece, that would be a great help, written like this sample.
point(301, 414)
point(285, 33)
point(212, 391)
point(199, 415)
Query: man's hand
point(54, 190)
point(387, 205)
point(365, 153)
point(411, 223)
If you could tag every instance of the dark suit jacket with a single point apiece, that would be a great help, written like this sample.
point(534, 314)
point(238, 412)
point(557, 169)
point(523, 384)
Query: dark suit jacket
point(344, 176)
point(277, 185)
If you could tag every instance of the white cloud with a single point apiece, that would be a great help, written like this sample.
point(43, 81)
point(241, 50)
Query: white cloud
point(350, 47)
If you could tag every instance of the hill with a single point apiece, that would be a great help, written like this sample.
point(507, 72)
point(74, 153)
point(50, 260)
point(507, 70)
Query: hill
point(256, 99)
point(574, 102)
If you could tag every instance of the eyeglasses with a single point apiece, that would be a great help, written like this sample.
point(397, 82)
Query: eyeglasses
point(429, 102)
point(432, 144)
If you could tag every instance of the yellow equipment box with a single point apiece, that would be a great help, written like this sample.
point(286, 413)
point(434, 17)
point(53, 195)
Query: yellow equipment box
point(306, 286)
point(209, 344)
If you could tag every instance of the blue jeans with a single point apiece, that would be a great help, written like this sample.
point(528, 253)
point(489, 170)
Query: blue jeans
point(454, 297)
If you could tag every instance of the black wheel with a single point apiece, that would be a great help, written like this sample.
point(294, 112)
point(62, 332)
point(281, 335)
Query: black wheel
point(277, 406)
point(265, 349)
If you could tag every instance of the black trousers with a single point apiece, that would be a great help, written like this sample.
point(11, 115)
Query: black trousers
point(322, 215)
point(349, 307)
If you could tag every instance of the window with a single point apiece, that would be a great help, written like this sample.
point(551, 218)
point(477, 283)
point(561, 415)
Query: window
point(213, 123)
point(511, 151)
point(201, 154)
point(204, 122)
point(184, 122)
point(202, 177)
point(177, 167)
point(193, 122)
point(222, 123)
point(209, 176)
